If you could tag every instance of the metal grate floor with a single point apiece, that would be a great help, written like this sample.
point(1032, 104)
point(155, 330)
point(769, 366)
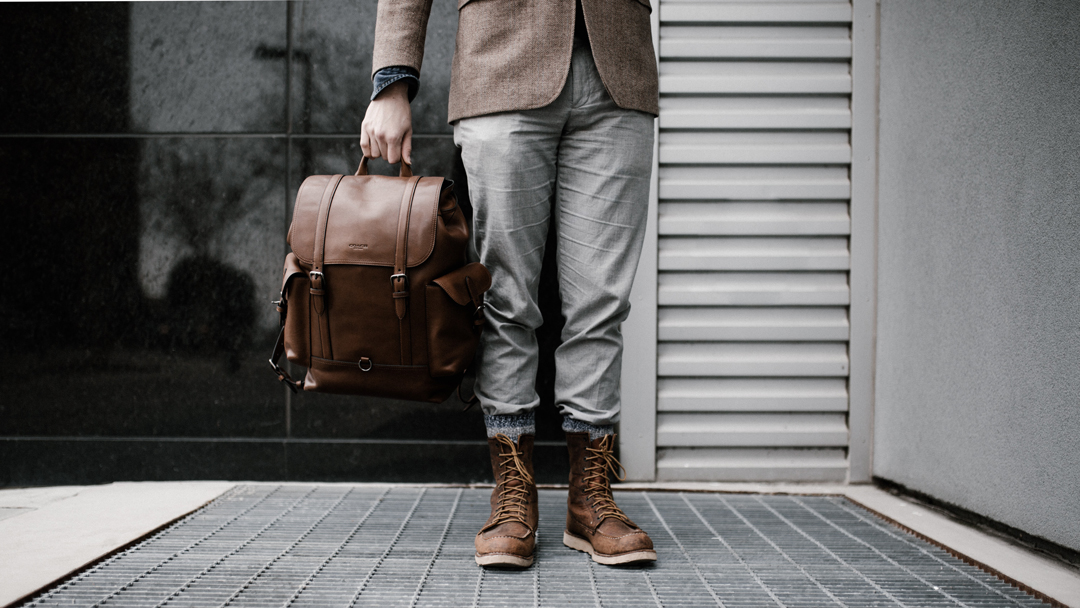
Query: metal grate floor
point(338, 545)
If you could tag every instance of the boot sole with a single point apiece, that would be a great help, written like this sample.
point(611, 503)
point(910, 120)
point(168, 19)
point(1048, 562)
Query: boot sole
point(583, 545)
point(503, 560)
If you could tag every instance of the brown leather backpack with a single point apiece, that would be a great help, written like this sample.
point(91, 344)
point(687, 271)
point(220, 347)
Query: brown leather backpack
point(376, 296)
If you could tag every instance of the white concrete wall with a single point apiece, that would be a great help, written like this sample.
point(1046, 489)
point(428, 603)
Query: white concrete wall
point(978, 365)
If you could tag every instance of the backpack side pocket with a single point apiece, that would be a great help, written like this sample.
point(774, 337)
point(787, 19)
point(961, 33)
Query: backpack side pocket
point(294, 292)
point(455, 304)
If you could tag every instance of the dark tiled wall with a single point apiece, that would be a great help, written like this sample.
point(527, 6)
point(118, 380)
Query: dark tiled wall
point(149, 155)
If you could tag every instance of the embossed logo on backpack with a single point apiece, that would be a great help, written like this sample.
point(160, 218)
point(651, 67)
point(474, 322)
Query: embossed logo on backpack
point(358, 246)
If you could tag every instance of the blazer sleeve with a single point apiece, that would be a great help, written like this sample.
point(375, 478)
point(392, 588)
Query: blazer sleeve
point(400, 30)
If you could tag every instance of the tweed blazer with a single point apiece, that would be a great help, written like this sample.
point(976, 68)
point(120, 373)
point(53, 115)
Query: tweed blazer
point(515, 54)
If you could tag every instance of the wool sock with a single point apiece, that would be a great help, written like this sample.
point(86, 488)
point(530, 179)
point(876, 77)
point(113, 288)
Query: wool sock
point(513, 426)
point(595, 431)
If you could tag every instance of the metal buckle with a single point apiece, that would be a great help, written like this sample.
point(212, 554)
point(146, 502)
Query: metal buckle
point(315, 274)
point(403, 277)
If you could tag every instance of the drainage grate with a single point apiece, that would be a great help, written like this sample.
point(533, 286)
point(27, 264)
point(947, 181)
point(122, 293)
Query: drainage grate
point(343, 545)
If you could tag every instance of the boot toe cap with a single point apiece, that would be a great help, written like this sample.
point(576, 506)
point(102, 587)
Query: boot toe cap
point(630, 542)
point(506, 540)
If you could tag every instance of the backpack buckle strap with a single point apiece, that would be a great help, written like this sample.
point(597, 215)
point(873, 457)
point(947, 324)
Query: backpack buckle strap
point(318, 291)
point(399, 280)
point(315, 279)
point(400, 283)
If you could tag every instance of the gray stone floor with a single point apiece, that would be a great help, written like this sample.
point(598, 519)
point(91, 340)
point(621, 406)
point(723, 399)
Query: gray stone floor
point(338, 545)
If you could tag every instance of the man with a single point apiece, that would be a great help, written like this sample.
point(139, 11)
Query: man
point(551, 100)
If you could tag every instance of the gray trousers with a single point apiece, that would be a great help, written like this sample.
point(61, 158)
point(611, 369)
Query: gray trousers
point(593, 160)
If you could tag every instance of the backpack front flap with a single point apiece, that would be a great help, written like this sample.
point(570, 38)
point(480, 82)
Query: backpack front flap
point(362, 226)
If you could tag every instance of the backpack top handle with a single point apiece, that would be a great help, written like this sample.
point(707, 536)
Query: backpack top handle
point(405, 171)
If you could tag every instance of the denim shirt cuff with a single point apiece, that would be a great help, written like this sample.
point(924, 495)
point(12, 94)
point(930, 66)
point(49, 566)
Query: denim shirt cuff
point(388, 76)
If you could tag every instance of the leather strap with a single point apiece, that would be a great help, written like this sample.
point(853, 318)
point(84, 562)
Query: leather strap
point(282, 306)
point(477, 298)
point(400, 279)
point(471, 401)
point(282, 375)
point(318, 281)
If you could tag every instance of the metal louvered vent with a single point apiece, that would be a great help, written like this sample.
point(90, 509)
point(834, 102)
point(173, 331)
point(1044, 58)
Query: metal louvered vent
point(753, 256)
point(339, 545)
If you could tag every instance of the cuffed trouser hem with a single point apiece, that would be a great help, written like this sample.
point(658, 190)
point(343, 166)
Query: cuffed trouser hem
point(497, 408)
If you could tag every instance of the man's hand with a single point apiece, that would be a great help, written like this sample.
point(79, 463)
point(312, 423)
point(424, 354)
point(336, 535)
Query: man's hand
point(387, 128)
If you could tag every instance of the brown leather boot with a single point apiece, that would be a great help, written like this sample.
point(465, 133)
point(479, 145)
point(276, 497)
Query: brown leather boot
point(594, 523)
point(508, 539)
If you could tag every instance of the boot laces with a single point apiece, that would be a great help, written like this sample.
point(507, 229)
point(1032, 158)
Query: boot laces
point(514, 488)
point(598, 462)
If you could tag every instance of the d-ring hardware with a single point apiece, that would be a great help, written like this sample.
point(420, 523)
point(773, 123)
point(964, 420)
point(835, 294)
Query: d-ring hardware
point(365, 364)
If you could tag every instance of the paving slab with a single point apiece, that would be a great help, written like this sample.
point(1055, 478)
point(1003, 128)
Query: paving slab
point(49, 533)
